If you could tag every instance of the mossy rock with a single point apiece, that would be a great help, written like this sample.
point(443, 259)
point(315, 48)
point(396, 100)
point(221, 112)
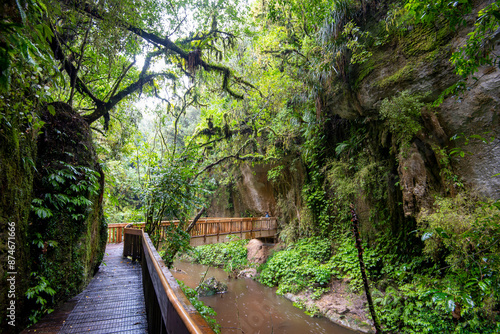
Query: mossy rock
point(211, 287)
point(403, 74)
point(424, 39)
point(78, 234)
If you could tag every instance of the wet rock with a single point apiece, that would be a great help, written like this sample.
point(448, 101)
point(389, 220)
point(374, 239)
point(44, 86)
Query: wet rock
point(256, 251)
point(413, 176)
point(210, 287)
point(248, 273)
point(477, 113)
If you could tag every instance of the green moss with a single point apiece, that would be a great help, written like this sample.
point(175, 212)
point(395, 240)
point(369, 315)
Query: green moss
point(16, 182)
point(423, 39)
point(403, 74)
point(431, 56)
point(365, 70)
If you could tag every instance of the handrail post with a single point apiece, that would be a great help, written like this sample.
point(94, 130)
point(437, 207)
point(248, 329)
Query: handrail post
point(218, 228)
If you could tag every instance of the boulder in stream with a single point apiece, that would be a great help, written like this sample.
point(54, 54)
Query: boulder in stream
point(210, 287)
point(256, 251)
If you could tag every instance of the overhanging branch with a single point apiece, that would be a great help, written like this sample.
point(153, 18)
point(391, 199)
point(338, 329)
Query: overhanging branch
point(156, 40)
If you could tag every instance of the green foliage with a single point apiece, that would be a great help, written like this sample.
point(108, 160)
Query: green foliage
point(355, 36)
point(347, 149)
point(428, 11)
point(344, 263)
point(301, 265)
point(40, 293)
point(402, 114)
point(205, 311)
point(460, 151)
point(70, 186)
point(460, 230)
point(415, 308)
point(477, 50)
point(23, 39)
point(176, 240)
point(231, 256)
point(396, 19)
point(170, 194)
point(275, 173)
point(453, 286)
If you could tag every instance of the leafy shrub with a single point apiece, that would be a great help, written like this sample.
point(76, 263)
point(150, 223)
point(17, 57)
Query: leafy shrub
point(230, 255)
point(402, 114)
point(463, 232)
point(43, 295)
point(301, 265)
point(345, 263)
point(454, 287)
point(413, 308)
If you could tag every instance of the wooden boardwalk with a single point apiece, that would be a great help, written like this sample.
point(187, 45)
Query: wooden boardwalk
point(113, 302)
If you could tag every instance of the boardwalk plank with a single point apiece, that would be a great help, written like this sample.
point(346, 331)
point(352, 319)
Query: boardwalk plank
point(113, 302)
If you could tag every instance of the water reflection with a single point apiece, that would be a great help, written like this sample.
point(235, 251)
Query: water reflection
point(249, 307)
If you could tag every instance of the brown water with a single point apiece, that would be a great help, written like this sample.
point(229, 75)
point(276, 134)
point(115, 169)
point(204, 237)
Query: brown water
point(250, 307)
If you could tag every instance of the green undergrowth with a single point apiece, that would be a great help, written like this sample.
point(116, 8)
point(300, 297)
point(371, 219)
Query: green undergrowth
point(231, 256)
point(301, 265)
point(454, 285)
point(312, 263)
point(205, 311)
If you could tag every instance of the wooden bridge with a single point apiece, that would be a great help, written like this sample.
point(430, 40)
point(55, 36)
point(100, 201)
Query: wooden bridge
point(128, 297)
point(211, 230)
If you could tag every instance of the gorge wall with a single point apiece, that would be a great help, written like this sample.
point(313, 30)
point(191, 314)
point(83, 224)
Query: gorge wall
point(403, 181)
point(52, 188)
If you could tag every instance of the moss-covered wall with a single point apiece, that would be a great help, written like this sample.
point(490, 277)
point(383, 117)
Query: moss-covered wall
point(17, 156)
point(74, 236)
point(52, 187)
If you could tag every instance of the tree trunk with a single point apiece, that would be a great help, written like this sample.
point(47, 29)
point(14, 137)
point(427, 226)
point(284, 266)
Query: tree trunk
point(359, 247)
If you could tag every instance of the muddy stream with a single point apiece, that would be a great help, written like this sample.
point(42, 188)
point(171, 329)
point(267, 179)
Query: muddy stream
point(250, 307)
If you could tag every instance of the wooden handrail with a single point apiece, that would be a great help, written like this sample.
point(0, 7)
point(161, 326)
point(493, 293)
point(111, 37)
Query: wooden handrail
point(161, 291)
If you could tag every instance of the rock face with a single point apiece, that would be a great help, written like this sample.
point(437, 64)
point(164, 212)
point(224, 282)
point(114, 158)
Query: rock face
point(259, 191)
point(256, 251)
point(413, 176)
point(17, 154)
point(477, 112)
point(75, 235)
point(52, 187)
point(338, 305)
point(251, 195)
point(421, 65)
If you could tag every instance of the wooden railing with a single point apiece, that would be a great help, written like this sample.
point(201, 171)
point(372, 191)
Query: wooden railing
point(211, 229)
point(168, 309)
